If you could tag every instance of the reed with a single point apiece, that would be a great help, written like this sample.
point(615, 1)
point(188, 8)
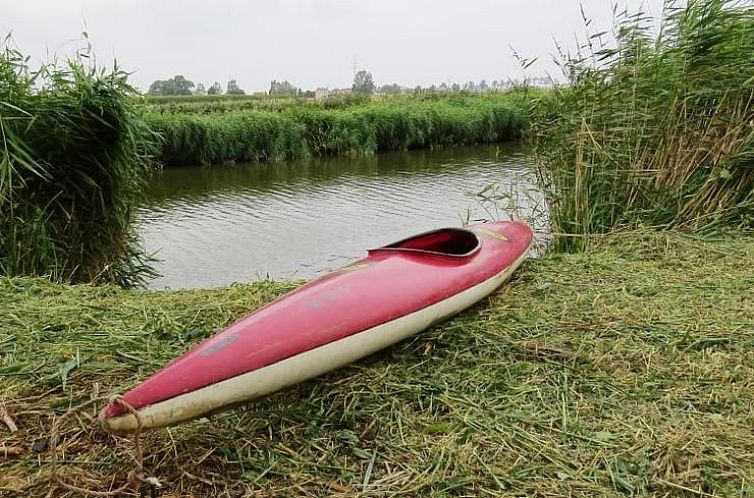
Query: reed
point(72, 157)
point(656, 131)
point(337, 127)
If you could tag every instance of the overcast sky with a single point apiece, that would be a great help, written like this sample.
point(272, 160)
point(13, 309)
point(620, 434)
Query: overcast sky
point(311, 43)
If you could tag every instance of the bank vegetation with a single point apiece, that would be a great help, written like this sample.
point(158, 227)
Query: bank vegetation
point(654, 130)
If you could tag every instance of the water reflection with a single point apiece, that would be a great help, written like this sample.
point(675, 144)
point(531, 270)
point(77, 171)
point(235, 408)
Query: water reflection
point(214, 226)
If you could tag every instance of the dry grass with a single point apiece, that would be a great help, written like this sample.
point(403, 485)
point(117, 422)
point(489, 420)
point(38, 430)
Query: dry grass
point(625, 370)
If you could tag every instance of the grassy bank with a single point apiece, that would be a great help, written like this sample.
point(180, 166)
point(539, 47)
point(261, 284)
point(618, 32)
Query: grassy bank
point(654, 130)
point(296, 128)
point(624, 370)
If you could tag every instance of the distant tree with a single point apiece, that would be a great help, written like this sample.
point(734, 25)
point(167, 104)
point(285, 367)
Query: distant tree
point(363, 83)
point(215, 89)
point(283, 88)
point(433, 88)
point(455, 87)
point(177, 85)
point(200, 90)
point(309, 94)
point(158, 87)
point(483, 86)
point(444, 87)
point(418, 89)
point(469, 87)
point(234, 89)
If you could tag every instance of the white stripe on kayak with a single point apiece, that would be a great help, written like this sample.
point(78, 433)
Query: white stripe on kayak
point(306, 365)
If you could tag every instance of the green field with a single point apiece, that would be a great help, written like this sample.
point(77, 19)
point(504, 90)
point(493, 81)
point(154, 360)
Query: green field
point(625, 370)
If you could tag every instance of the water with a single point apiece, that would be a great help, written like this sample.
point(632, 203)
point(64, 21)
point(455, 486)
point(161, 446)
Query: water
point(223, 224)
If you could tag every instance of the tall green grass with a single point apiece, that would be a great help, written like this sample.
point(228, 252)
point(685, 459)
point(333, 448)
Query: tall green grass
point(656, 131)
point(73, 150)
point(338, 127)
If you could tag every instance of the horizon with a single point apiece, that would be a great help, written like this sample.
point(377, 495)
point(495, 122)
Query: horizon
point(312, 44)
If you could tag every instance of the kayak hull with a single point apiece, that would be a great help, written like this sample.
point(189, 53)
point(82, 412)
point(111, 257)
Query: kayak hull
point(190, 402)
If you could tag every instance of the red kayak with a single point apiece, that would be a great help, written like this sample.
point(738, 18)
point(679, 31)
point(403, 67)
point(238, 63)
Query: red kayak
point(393, 293)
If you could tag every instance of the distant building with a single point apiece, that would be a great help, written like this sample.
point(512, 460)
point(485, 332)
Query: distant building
point(321, 93)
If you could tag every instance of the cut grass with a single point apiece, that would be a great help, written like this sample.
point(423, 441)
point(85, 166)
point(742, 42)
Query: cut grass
point(624, 370)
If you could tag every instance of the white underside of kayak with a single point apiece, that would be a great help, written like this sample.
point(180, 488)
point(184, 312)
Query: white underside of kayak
point(306, 365)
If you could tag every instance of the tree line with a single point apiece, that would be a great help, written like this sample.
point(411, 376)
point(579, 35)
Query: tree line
point(179, 85)
point(363, 84)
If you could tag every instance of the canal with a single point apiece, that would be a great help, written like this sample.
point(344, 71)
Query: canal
point(212, 226)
